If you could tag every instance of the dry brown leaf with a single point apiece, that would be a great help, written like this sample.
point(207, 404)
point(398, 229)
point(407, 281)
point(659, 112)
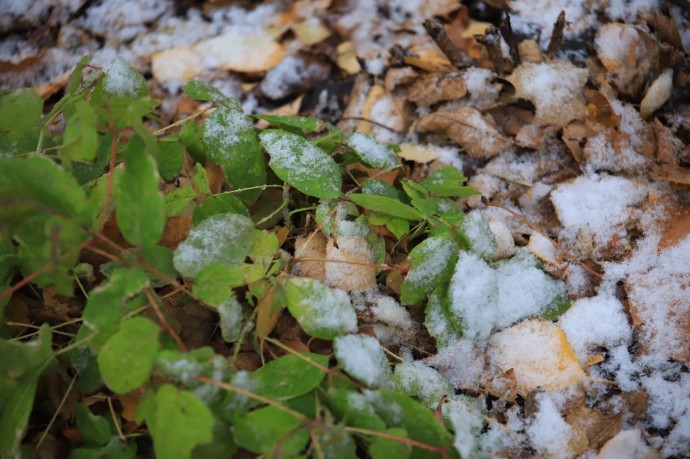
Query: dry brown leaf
point(313, 250)
point(534, 136)
point(540, 354)
point(354, 269)
point(216, 177)
point(311, 31)
point(599, 109)
point(129, 403)
point(176, 64)
point(468, 128)
point(374, 95)
point(176, 230)
point(628, 54)
point(266, 319)
point(668, 146)
point(627, 443)
point(241, 50)
point(419, 153)
point(346, 58)
point(593, 426)
point(437, 88)
point(657, 94)
point(398, 76)
point(427, 56)
point(555, 89)
point(529, 51)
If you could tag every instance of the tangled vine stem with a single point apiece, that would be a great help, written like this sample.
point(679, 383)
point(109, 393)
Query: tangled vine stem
point(569, 254)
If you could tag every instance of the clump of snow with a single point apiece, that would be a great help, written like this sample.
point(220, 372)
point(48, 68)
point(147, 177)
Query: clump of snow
point(486, 299)
point(289, 74)
point(482, 92)
point(597, 321)
point(596, 203)
point(548, 431)
point(393, 325)
point(467, 425)
point(363, 358)
point(462, 363)
point(626, 443)
point(540, 15)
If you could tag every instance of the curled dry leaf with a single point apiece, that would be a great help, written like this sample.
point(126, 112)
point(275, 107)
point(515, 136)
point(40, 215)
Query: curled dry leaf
point(468, 128)
point(438, 88)
point(540, 354)
point(350, 266)
point(657, 94)
point(529, 51)
point(555, 89)
point(628, 54)
point(346, 58)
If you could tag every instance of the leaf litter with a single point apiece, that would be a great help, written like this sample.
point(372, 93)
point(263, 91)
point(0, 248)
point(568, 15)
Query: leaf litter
point(588, 143)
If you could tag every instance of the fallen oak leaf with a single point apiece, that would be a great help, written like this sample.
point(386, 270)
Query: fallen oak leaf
point(467, 127)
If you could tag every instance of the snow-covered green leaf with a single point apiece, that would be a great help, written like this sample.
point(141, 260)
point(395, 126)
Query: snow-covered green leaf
point(306, 124)
point(322, 311)
point(302, 164)
point(372, 153)
point(363, 358)
point(223, 238)
point(432, 262)
point(230, 312)
point(230, 141)
point(422, 382)
point(266, 429)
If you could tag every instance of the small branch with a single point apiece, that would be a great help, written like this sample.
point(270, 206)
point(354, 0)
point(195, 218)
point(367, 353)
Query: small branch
point(25, 281)
point(486, 202)
point(404, 440)
point(556, 36)
point(115, 421)
point(506, 29)
point(454, 54)
point(491, 40)
point(164, 322)
point(375, 123)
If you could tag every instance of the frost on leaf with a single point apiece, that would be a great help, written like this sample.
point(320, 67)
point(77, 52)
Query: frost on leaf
point(223, 238)
point(323, 312)
point(362, 357)
point(432, 264)
point(555, 89)
point(422, 382)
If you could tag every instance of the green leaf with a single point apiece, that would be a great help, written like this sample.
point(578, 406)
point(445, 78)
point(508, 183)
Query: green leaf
point(230, 141)
point(352, 408)
point(422, 382)
point(200, 90)
point(223, 238)
point(107, 304)
point(386, 205)
point(385, 448)
point(399, 410)
point(558, 307)
point(372, 153)
point(336, 442)
point(121, 80)
point(322, 312)
point(95, 429)
point(439, 321)
point(303, 165)
point(219, 204)
point(306, 124)
point(37, 181)
point(180, 422)
point(214, 283)
point(114, 449)
point(264, 246)
point(81, 136)
point(266, 429)
point(127, 359)
point(190, 135)
point(432, 263)
point(20, 367)
point(140, 207)
point(381, 188)
point(230, 312)
point(178, 199)
point(447, 182)
point(170, 157)
point(20, 121)
point(290, 376)
point(362, 357)
point(396, 225)
point(223, 445)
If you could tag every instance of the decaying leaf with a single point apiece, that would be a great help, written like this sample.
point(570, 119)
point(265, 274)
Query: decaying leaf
point(628, 54)
point(437, 88)
point(468, 128)
point(313, 250)
point(350, 264)
point(539, 353)
point(657, 94)
point(555, 89)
